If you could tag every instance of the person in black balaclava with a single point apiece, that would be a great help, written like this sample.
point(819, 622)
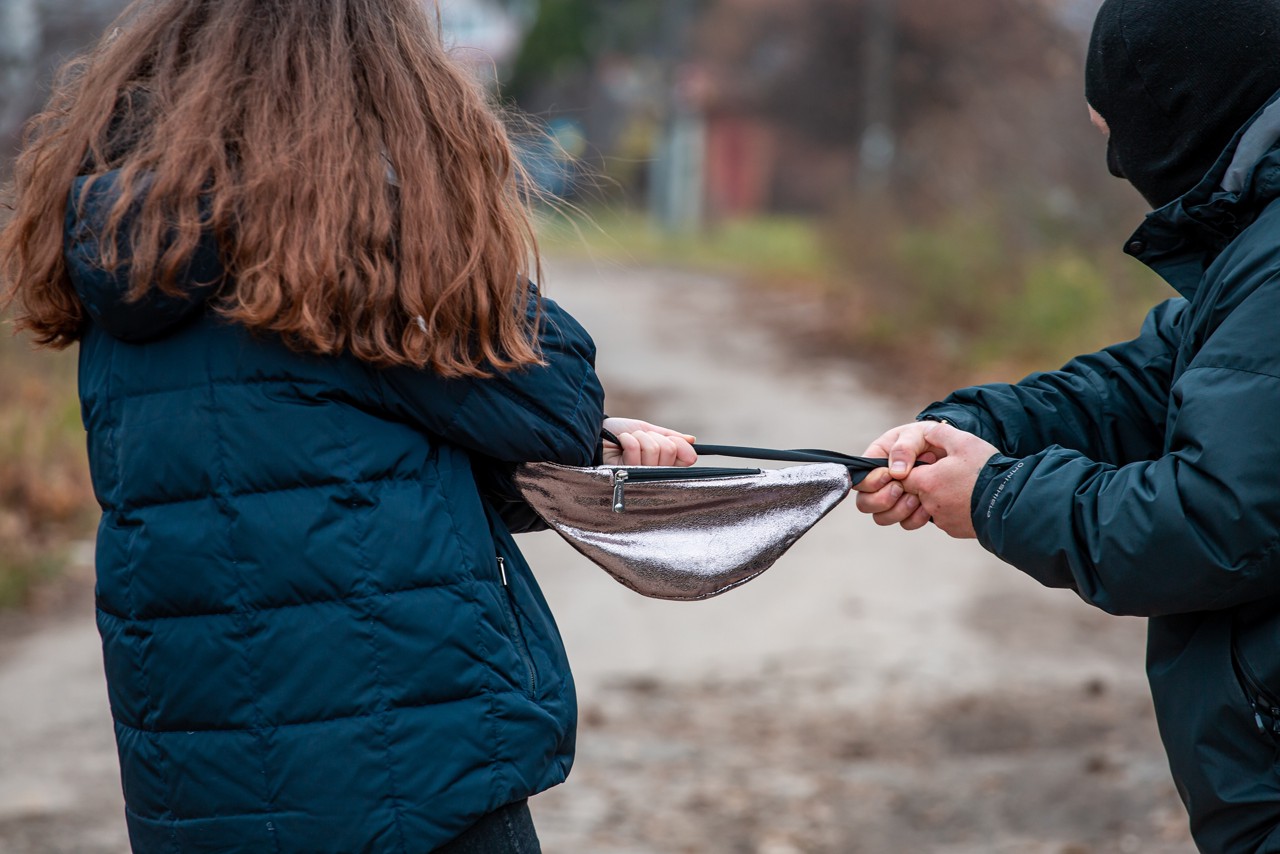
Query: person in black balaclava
point(1174, 80)
point(1144, 477)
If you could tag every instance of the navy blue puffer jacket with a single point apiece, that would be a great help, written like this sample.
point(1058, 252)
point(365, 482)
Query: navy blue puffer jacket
point(319, 635)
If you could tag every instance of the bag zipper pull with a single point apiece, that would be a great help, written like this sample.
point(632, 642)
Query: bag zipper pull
point(502, 568)
point(619, 481)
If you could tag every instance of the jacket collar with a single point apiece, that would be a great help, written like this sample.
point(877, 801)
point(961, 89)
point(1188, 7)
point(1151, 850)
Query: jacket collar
point(1180, 240)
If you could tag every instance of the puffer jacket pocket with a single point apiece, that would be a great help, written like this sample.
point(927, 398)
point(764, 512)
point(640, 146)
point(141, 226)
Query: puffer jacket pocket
point(516, 630)
point(1263, 702)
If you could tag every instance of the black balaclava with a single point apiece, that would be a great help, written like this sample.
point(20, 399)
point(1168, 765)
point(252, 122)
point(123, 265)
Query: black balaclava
point(1175, 80)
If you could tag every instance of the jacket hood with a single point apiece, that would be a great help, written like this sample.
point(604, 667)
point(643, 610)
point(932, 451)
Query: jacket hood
point(105, 292)
point(1180, 240)
point(1175, 80)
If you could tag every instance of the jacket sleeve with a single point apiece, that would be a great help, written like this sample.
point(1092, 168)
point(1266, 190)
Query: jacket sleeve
point(546, 413)
point(496, 483)
point(1194, 529)
point(1109, 405)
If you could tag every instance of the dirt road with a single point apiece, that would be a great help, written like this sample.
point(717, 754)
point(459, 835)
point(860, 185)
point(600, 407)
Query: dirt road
point(875, 691)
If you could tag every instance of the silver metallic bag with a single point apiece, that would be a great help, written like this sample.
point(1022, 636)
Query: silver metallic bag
point(690, 533)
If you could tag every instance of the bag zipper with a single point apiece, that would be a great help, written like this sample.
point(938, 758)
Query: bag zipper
point(655, 474)
point(517, 634)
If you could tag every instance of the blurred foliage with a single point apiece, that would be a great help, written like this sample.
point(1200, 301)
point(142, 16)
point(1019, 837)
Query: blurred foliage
point(46, 501)
point(991, 248)
point(775, 247)
point(965, 297)
point(983, 95)
point(558, 43)
point(937, 304)
point(568, 38)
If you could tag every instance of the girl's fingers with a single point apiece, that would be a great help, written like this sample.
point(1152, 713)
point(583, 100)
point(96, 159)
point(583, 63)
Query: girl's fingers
point(648, 448)
point(635, 425)
point(667, 450)
point(631, 450)
point(664, 451)
point(685, 454)
point(667, 431)
point(610, 453)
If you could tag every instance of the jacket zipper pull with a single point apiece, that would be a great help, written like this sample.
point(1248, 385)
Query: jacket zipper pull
point(1257, 716)
point(502, 568)
point(619, 481)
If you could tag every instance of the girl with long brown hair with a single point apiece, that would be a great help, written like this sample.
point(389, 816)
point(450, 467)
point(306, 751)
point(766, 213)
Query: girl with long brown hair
point(289, 239)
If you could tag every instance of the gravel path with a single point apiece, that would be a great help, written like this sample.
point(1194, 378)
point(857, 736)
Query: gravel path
point(874, 692)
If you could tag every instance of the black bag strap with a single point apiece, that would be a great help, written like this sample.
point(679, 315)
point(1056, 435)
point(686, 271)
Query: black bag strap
point(800, 455)
point(856, 465)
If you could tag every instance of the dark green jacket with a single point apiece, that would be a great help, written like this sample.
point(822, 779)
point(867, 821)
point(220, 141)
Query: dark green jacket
point(319, 635)
point(1146, 478)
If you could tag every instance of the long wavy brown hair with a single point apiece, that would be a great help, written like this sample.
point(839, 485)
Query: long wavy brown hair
point(363, 190)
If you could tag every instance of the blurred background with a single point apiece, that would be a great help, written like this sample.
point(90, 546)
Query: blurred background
point(834, 209)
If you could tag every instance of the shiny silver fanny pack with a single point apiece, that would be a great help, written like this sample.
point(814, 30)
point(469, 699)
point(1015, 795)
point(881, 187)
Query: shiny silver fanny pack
point(690, 533)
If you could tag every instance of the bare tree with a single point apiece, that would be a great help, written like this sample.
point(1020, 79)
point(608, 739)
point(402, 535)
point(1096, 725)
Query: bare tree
point(36, 37)
point(944, 102)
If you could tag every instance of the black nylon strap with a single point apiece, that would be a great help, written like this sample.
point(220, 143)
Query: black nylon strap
point(856, 465)
point(801, 455)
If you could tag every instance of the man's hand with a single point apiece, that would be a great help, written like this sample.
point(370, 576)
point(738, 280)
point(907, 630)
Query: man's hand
point(945, 488)
point(881, 493)
point(645, 444)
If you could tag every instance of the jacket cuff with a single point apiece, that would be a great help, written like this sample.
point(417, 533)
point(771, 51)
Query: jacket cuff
point(996, 481)
point(962, 419)
point(598, 458)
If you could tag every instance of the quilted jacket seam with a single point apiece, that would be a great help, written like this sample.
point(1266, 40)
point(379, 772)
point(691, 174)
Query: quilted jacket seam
point(393, 795)
point(148, 710)
point(234, 382)
point(176, 820)
point(486, 686)
point(517, 692)
point(273, 608)
point(246, 647)
point(273, 490)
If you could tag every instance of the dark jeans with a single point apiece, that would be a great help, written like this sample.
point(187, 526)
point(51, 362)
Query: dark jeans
point(507, 830)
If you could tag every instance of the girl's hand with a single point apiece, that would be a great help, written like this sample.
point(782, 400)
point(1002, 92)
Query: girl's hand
point(645, 444)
